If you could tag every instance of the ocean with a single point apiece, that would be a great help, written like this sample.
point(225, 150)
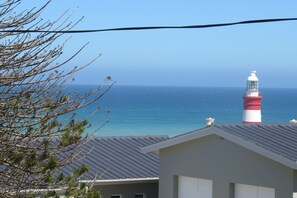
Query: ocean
point(145, 110)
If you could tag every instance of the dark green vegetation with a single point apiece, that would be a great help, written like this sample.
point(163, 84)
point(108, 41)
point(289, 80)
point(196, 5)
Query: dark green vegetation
point(39, 131)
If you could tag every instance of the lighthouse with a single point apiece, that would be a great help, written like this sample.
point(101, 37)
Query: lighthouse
point(252, 101)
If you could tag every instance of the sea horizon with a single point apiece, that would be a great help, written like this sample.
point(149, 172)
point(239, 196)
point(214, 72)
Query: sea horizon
point(179, 86)
point(168, 110)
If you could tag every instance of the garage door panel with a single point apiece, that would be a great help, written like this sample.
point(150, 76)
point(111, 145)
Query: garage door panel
point(245, 191)
point(264, 192)
point(189, 187)
point(250, 191)
point(205, 188)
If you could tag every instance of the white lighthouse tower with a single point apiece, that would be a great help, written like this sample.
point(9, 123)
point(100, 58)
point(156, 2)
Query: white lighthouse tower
point(252, 101)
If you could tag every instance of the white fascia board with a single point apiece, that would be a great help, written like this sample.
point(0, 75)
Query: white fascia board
point(99, 182)
point(121, 181)
point(253, 147)
point(179, 139)
point(44, 190)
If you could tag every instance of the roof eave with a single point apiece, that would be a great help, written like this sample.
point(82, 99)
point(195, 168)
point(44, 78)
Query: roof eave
point(258, 149)
point(178, 139)
point(219, 132)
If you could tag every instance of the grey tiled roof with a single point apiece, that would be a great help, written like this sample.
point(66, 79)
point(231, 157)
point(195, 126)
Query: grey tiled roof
point(280, 139)
point(119, 157)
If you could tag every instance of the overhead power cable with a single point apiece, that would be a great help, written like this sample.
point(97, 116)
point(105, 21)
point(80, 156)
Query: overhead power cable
point(154, 27)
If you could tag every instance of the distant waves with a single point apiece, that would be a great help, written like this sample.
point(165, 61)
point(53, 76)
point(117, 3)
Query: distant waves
point(175, 110)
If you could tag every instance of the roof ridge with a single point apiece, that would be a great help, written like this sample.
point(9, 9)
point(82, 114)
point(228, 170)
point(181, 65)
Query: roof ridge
point(248, 125)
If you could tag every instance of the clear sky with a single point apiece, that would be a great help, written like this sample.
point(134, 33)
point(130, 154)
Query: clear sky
point(194, 57)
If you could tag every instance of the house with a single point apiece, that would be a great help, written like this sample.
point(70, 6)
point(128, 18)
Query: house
point(118, 167)
point(229, 161)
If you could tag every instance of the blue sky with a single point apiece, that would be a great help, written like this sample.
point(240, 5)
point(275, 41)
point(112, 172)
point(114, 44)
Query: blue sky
point(197, 57)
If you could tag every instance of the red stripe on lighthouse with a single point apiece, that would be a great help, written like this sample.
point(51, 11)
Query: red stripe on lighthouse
point(252, 122)
point(252, 102)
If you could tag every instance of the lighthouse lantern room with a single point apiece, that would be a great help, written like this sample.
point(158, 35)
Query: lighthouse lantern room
point(252, 101)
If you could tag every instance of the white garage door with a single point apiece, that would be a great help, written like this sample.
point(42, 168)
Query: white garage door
point(190, 187)
point(249, 191)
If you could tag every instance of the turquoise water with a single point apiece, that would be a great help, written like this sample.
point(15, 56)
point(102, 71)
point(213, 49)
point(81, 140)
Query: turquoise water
point(137, 110)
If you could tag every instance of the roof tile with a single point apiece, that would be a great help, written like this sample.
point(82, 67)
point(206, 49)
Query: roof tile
point(119, 157)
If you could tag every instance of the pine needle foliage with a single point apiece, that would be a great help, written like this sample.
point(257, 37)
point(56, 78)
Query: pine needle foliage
point(39, 131)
